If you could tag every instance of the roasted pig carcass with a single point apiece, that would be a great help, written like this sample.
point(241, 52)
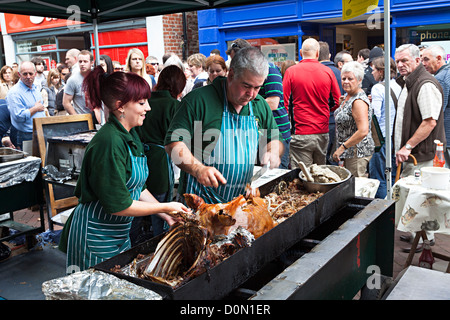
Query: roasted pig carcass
point(186, 251)
point(179, 251)
point(222, 218)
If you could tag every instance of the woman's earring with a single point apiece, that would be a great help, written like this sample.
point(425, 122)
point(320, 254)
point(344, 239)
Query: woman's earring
point(122, 115)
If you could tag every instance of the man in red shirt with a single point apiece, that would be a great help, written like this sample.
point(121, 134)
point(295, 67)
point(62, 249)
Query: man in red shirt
point(311, 85)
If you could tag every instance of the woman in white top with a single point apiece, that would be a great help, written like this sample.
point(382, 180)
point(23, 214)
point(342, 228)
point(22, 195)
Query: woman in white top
point(377, 164)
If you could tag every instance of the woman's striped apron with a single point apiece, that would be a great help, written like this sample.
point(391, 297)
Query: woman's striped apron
point(96, 235)
point(234, 156)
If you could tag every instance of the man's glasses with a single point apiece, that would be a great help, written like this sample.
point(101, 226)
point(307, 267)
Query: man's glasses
point(154, 63)
point(118, 69)
point(64, 74)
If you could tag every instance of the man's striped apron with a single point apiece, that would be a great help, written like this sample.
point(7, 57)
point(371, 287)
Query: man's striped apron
point(234, 156)
point(96, 235)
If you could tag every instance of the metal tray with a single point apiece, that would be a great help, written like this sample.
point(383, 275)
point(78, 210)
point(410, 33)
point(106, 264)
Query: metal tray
point(82, 138)
point(234, 271)
point(10, 154)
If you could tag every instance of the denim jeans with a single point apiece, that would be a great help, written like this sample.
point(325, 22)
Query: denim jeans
point(377, 167)
point(23, 136)
point(285, 156)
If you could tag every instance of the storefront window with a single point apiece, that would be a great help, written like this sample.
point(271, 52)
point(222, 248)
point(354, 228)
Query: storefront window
point(46, 48)
point(36, 45)
point(276, 50)
point(425, 35)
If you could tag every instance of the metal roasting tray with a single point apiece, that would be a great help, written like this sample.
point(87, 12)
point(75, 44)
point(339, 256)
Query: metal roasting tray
point(10, 154)
point(234, 271)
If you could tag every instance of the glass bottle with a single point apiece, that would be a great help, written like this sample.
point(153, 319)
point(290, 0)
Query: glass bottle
point(426, 259)
point(439, 160)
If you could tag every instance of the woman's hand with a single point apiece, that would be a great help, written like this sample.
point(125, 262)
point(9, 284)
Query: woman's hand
point(173, 207)
point(339, 151)
point(176, 206)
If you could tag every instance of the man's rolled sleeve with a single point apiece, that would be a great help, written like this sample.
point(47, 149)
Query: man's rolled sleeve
point(429, 101)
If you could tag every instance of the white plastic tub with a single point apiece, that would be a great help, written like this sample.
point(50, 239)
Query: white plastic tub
point(435, 177)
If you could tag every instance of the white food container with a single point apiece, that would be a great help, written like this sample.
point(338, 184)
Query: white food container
point(435, 177)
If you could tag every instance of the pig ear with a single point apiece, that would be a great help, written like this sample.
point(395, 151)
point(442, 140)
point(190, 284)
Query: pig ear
point(193, 201)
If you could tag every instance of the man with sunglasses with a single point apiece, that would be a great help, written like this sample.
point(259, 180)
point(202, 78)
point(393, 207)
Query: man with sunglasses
point(25, 103)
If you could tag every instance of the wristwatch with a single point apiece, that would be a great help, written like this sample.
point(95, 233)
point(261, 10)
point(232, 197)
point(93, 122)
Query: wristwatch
point(408, 146)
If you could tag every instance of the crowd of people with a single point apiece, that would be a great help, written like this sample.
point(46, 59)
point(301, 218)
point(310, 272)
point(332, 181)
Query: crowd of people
point(345, 108)
point(316, 110)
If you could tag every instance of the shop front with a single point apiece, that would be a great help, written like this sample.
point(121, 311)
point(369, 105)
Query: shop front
point(427, 28)
point(25, 37)
point(287, 23)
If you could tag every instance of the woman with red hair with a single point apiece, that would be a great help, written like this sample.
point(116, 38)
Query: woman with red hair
point(111, 185)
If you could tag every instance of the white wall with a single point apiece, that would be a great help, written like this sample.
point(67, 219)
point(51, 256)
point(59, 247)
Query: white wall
point(8, 43)
point(155, 37)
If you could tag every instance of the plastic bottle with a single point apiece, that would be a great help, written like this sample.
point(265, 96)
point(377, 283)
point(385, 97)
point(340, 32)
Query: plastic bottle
point(426, 259)
point(439, 160)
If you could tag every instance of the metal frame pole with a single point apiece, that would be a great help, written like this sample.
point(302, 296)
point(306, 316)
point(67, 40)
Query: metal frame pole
point(387, 94)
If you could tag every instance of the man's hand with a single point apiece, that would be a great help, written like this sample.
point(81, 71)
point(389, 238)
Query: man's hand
point(402, 155)
point(6, 142)
point(209, 176)
point(38, 106)
point(183, 158)
point(273, 154)
point(422, 132)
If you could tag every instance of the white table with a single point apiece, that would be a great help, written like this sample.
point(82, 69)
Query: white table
point(418, 208)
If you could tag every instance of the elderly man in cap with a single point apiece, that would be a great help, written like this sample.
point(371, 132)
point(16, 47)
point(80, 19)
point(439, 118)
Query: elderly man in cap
point(215, 135)
point(433, 59)
point(368, 80)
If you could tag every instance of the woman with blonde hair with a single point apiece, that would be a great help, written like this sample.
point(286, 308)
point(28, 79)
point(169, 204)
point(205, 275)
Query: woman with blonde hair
point(50, 91)
point(136, 63)
point(6, 80)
